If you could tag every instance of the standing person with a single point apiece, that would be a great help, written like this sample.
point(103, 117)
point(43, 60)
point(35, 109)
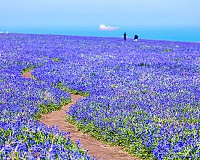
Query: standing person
point(125, 36)
point(136, 38)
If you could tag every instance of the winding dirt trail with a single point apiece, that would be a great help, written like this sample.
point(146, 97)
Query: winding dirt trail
point(95, 148)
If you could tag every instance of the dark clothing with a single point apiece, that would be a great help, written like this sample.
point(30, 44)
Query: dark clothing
point(136, 37)
point(125, 36)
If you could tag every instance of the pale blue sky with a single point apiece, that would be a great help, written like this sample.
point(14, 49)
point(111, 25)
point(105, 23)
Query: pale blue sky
point(92, 13)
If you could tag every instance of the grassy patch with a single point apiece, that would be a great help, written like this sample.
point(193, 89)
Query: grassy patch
point(46, 108)
point(55, 59)
point(60, 85)
point(30, 68)
point(168, 50)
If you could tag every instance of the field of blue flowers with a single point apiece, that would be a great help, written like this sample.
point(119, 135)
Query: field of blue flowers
point(23, 100)
point(144, 96)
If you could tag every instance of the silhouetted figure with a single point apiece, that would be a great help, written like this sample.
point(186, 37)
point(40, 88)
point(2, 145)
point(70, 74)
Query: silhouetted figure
point(136, 38)
point(125, 36)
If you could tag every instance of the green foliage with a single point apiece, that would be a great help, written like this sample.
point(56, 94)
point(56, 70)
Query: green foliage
point(60, 85)
point(31, 67)
point(167, 50)
point(142, 64)
point(46, 108)
point(40, 64)
point(65, 101)
point(55, 59)
point(5, 133)
point(137, 149)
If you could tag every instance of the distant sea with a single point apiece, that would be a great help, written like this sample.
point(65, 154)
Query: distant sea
point(183, 34)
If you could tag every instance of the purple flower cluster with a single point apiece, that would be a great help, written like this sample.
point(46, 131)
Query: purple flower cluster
point(144, 96)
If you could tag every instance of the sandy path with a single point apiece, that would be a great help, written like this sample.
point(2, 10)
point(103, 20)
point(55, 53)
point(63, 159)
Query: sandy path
point(95, 148)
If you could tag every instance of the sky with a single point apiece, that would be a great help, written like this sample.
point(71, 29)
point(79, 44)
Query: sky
point(93, 13)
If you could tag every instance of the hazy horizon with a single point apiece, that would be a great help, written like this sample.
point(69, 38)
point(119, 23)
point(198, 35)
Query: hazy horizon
point(185, 34)
point(169, 20)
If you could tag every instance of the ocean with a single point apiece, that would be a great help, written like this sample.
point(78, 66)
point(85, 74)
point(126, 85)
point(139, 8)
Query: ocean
point(183, 34)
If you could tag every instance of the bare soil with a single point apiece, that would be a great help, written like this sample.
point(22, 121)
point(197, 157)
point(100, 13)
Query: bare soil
point(95, 148)
point(27, 74)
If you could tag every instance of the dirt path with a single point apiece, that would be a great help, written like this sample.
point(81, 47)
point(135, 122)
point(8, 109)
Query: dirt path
point(95, 148)
point(27, 74)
